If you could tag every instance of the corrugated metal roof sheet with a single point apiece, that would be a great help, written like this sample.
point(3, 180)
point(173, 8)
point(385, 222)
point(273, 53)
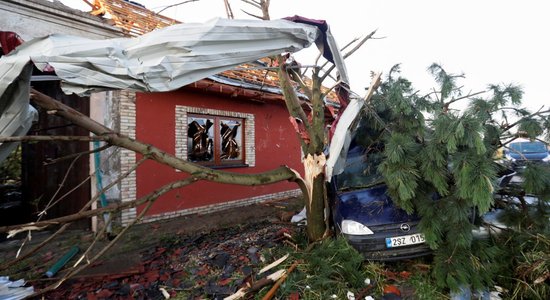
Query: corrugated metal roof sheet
point(14, 290)
point(162, 60)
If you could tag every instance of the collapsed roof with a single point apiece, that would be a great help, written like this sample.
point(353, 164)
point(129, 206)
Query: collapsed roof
point(134, 19)
point(162, 60)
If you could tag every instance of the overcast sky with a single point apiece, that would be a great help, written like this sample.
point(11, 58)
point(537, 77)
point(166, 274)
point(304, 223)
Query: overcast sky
point(491, 41)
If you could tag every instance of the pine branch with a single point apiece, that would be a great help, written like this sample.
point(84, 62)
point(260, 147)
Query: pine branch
point(448, 103)
point(537, 113)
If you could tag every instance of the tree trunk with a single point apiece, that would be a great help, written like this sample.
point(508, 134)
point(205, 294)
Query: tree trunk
point(311, 132)
point(315, 207)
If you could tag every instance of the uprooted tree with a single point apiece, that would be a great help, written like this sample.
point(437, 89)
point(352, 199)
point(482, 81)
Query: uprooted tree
point(427, 148)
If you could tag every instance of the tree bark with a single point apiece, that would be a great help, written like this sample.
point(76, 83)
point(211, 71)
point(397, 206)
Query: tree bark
point(312, 138)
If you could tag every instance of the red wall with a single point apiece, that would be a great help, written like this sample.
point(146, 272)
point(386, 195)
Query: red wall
point(276, 145)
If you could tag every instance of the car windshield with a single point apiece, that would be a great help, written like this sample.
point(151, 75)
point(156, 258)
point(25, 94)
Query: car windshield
point(361, 169)
point(528, 147)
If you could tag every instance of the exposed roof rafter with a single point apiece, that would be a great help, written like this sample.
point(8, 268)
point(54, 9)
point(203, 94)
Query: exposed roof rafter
point(132, 18)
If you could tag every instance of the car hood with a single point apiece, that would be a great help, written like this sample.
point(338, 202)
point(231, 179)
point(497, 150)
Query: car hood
point(370, 206)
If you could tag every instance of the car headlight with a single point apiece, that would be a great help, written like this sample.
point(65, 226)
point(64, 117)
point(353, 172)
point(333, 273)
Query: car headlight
point(355, 228)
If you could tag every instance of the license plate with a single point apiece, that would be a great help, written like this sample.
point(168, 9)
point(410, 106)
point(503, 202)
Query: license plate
point(405, 240)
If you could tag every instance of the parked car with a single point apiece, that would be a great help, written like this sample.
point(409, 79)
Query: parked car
point(522, 151)
point(365, 214)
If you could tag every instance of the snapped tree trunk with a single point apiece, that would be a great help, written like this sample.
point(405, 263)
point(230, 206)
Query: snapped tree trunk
point(311, 132)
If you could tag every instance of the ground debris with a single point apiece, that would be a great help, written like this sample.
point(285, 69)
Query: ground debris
point(197, 266)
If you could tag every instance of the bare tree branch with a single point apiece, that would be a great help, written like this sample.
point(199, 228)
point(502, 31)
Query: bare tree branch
point(66, 225)
point(228, 9)
point(73, 271)
point(252, 15)
point(276, 175)
point(99, 235)
point(262, 5)
point(56, 160)
point(180, 3)
point(349, 53)
point(50, 138)
point(253, 3)
point(61, 185)
point(110, 208)
point(35, 249)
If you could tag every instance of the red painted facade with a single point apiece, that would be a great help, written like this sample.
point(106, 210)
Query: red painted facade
point(275, 142)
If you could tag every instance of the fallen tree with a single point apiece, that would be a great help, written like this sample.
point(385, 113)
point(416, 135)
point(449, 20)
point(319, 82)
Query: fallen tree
point(440, 159)
point(429, 148)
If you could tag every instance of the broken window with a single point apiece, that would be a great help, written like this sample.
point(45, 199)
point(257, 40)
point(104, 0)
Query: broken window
point(200, 139)
point(231, 140)
point(215, 140)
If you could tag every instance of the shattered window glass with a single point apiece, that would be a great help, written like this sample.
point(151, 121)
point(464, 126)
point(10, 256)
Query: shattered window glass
point(200, 144)
point(215, 141)
point(361, 170)
point(231, 140)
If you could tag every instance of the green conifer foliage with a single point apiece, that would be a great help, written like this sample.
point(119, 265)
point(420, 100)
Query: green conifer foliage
point(440, 162)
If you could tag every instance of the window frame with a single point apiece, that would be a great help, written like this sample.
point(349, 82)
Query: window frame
point(181, 113)
point(217, 161)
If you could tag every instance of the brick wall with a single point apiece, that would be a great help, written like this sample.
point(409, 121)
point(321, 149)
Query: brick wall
point(128, 158)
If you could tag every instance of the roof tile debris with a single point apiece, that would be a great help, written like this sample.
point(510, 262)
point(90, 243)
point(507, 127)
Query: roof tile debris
point(214, 265)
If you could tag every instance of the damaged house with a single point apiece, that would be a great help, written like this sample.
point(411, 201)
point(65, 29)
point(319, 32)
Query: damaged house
point(235, 120)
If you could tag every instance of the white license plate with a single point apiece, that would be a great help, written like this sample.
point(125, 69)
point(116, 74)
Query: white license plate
point(405, 240)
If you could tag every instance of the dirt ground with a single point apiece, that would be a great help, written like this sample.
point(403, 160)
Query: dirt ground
point(137, 261)
point(144, 236)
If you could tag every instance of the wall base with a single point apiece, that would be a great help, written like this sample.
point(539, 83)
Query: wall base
point(220, 206)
